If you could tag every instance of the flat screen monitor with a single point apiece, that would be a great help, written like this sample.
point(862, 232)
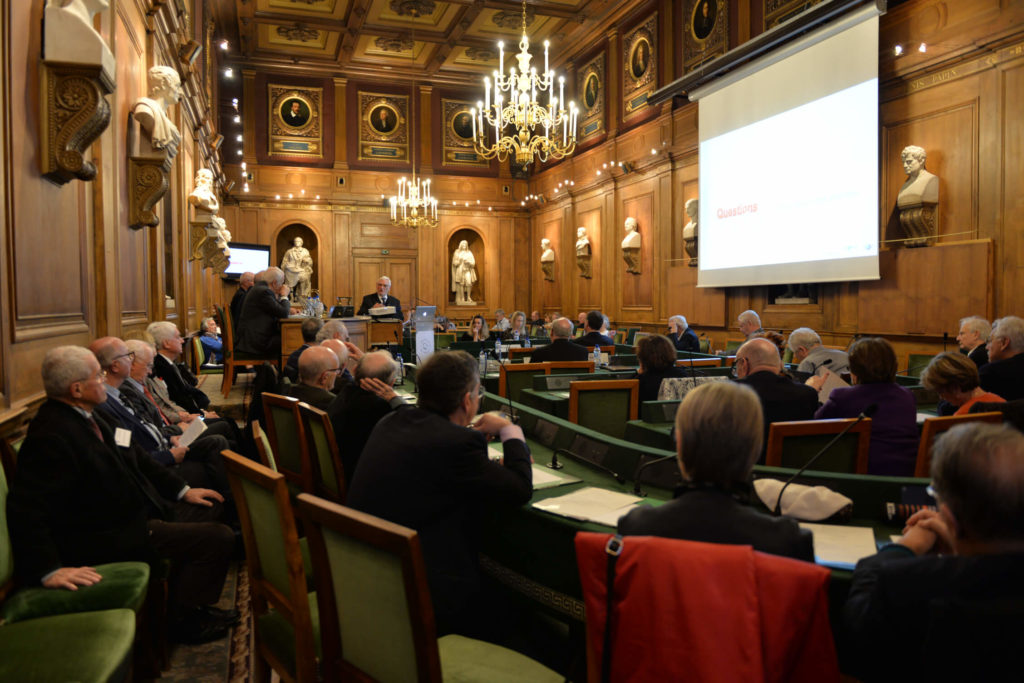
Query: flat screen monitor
point(247, 258)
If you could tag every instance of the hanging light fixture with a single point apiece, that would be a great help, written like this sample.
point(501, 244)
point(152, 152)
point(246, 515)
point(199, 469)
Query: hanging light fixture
point(413, 206)
point(544, 132)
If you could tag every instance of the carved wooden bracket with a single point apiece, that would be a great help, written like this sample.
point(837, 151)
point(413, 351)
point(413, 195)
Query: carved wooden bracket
point(73, 115)
point(918, 223)
point(202, 246)
point(148, 178)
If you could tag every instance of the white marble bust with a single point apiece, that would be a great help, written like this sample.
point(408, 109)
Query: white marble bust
point(203, 196)
point(583, 252)
point(921, 187)
point(70, 38)
point(547, 259)
point(151, 112)
point(690, 229)
point(631, 246)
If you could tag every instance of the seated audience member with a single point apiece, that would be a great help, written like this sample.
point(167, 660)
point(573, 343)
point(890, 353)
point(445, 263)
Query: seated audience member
point(561, 347)
point(972, 337)
point(759, 366)
point(310, 328)
point(335, 329)
point(265, 304)
point(501, 323)
point(718, 438)
point(341, 351)
point(657, 359)
point(750, 324)
point(1004, 372)
point(428, 468)
point(593, 336)
point(81, 499)
point(200, 463)
point(361, 404)
point(152, 387)
point(443, 324)
point(954, 377)
point(967, 559)
point(181, 383)
point(213, 346)
point(775, 338)
point(318, 368)
point(536, 324)
point(245, 283)
point(894, 432)
point(581, 323)
point(813, 358)
point(477, 330)
point(517, 330)
point(681, 335)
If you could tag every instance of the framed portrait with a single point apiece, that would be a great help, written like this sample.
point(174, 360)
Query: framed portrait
point(457, 134)
point(706, 31)
point(640, 65)
point(295, 121)
point(591, 87)
point(384, 129)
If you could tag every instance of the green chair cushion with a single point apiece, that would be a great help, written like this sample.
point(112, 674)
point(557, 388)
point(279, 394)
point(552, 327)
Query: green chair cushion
point(123, 587)
point(466, 659)
point(278, 635)
point(89, 646)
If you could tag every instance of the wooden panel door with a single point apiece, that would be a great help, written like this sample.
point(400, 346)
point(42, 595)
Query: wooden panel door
point(402, 272)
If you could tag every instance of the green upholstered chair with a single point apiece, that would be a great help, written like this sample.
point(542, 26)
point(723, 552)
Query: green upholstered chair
point(630, 339)
point(792, 444)
point(236, 359)
point(569, 367)
point(604, 405)
point(512, 379)
point(9, 455)
point(198, 358)
point(377, 620)
point(284, 432)
point(322, 451)
point(443, 340)
point(263, 448)
point(732, 344)
point(87, 647)
point(705, 344)
point(933, 427)
point(286, 623)
point(917, 362)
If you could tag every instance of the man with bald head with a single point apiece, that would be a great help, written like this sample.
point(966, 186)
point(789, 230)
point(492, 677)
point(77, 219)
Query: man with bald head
point(341, 350)
point(318, 368)
point(362, 403)
point(245, 283)
point(759, 366)
point(561, 347)
point(266, 303)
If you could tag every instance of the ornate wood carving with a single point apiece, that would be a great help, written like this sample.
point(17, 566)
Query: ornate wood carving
point(74, 113)
point(148, 178)
point(203, 246)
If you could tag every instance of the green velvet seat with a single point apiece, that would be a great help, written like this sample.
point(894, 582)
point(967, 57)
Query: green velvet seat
point(123, 586)
point(284, 432)
point(604, 405)
point(322, 453)
point(88, 646)
point(278, 635)
point(375, 615)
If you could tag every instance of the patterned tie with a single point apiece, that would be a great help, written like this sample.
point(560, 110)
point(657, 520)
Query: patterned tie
point(95, 428)
point(152, 400)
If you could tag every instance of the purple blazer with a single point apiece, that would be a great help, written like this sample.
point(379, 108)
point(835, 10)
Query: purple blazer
point(894, 433)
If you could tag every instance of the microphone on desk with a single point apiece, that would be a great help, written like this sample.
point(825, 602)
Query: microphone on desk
point(555, 465)
point(637, 491)
point(824, 363)
point(511, 409)
point(864, 414)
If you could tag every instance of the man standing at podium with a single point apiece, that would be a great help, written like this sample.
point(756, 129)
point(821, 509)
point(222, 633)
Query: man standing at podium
point(380, 299)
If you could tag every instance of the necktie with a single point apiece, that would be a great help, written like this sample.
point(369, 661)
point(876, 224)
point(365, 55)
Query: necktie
point(95, 428)
point(152, 400)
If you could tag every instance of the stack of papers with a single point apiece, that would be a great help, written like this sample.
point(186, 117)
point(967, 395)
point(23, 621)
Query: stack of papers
point(841, 546)
point(590, 504)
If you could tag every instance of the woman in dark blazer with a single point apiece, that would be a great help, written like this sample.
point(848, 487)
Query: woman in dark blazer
point(657, 358)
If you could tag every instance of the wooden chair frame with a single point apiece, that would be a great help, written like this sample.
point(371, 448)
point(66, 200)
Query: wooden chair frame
point(294, 607)
point(393, 539)
point(587, 365)
point(610, 350)
point(262, 449)
point(779, 431)
point(575, 388)
point(699, 362)
point(517, 351)
point(304, 477)
point(308, 414)
point(535, 368)
point(230, 362)
point(9, 448)
point(933, 426)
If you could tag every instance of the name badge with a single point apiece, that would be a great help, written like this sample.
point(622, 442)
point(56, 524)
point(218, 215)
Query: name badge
point(122, 437)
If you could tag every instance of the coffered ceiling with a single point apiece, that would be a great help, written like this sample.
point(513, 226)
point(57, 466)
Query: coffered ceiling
point(446, 42)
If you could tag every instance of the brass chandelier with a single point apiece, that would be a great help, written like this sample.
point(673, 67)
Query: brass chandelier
point(413, 206)
point(535, 130)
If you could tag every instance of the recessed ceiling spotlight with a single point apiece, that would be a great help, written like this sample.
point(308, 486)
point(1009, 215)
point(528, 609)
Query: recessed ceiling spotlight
point(922, 48)
point(897, 49)
point(229, 72)
point(224, 45)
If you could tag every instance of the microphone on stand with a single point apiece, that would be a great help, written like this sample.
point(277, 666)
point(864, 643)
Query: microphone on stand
point(864, 414)
point(815, 368)
point(511, 408)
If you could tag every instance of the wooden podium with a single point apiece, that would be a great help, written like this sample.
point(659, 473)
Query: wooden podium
point(385, 333)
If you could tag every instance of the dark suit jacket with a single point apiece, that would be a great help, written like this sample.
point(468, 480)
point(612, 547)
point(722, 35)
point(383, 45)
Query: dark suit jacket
point(291, 368)
point(370, 299)
point(79, 501)
point(181, 384)
point(1005, 377)
point(314, 396)
point(710, 515)
point(687, 341)
point(257, 331)
point(594, 339)
point(157, 449)
point(558, 349)
point(422, 471)
point(979, 355)
point(354, 414)
point(782, 399)
point(236, 307)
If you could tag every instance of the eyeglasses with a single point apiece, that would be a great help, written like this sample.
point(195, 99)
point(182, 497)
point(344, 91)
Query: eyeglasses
point(99, 377)
point(334, 370)
point(930, 490)
point(735, 363)
point(480, 391)
point(130, 356)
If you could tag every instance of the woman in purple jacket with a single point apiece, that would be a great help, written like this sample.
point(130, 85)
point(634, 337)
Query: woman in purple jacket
point(894, 433)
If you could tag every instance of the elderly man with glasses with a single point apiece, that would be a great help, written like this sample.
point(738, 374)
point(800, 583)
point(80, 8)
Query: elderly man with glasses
point(1004, 372)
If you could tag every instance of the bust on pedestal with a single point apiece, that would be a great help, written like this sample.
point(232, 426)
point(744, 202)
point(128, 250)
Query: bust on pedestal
point(631, 246)
point(583, 252)
point(918, 199)
point(690, 231)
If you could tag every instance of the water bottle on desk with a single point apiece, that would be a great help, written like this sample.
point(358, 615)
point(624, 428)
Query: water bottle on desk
point(497, 349)
point(401, 367)
point(482, 363)
point(597, 357)
point(526, 342)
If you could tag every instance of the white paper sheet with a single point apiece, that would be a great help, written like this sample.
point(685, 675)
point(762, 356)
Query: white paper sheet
point(192, 432)
point(590, 504)
point(545, 478)
point(841, 546)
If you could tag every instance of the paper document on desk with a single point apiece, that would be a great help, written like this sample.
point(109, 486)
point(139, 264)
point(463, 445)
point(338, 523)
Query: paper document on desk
point(545, 478)
point(590, 504)
point(192, 432)
point(841, 546)
point(832, 381)
point(382, 311)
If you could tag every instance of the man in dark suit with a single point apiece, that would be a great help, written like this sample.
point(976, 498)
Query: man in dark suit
point(561, 346)
point(361, 404)
point(1003, 375)
point(759, 366)
point(682, 335)
point(310, 327)
point(85, 494)
point(381, 298)
point(427, 468)
point(593, 336)
point(181, 383)
point(952, 581)
point(318, 368)
point(974, 333)
point(266, 303)
point(244, 285)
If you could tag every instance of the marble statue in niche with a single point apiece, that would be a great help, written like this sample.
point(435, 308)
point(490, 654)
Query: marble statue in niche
point(690, 231)
point(631, 246)
point(583, 253)
point(151, 112)
point(463, 274)
point(547, 260)
point(297, 265)
point(918, 199)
